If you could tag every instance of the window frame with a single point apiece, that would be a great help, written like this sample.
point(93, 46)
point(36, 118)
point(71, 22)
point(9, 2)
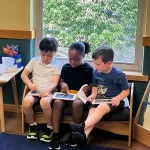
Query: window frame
point(136, 66)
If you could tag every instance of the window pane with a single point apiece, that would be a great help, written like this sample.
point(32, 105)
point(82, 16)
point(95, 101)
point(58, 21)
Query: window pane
point(100, 22)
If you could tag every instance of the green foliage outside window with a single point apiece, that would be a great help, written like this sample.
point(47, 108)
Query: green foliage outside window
point(100, 22)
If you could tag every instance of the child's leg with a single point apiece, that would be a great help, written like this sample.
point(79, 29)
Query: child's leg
point(27, 104)
point(57, 112)
point(83, 130)
point(88, 131)
point(77, 111)
point(29, 113)
point(77, 114)
point(96, 116)
point(98, 113)
point(47, 110)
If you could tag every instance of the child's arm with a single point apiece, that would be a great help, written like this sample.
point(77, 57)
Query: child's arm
point(64, 87)
point(116, 100)
point(87, 89)
point(50, 88)
point(93, 94)
point(27, 81)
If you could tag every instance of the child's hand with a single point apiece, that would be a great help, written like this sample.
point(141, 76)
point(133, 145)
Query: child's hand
point(115, 101)
point(64, 88)
point(32, 87)
point(86, 89)
point(91, 98)
point(44, 93)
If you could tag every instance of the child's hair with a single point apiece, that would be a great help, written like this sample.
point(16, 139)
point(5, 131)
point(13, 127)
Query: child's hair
point(82, 47)
point(48, 44)
point(106, 54)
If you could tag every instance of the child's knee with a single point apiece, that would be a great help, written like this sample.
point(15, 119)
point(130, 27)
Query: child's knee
point(58, 104)
point(77, 104)
point(44, 103)
point(103, 107)
point(27, 103)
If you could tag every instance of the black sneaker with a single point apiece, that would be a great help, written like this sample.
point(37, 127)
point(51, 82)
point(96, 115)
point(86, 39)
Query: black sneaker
point(77, 127)
point(33, 133)
point(47, 136)
point(79, 138)
point(70, 142)
point(55, 142)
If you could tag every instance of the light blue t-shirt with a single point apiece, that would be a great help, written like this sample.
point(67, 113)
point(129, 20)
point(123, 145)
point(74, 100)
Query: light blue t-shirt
point(110, 84)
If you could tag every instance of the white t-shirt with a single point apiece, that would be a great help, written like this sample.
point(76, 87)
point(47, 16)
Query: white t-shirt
point(42, 74)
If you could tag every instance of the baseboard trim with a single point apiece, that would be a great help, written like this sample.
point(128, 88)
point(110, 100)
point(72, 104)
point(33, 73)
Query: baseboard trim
point(12, 108)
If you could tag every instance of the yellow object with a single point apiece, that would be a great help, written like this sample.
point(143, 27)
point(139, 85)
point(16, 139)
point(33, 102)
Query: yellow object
point(73, 91)
point(18, 60)
point(5, 50)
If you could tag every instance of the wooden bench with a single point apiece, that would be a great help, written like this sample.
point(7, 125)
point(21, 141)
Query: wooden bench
point(118, 123)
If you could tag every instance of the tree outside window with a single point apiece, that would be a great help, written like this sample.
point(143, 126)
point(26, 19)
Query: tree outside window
point(99, 22)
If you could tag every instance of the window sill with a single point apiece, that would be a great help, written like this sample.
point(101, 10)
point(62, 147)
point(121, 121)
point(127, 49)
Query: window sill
point(136, 76)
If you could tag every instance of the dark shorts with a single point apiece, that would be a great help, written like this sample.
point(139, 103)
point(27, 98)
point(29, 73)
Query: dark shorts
point(113, 109)
point(65, 102)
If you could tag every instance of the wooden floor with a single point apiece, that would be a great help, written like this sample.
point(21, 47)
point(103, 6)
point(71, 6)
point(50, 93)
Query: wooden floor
point(97, 137)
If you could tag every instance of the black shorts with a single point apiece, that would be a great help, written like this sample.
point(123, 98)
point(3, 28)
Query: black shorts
point(113, 109)
point(66, 103)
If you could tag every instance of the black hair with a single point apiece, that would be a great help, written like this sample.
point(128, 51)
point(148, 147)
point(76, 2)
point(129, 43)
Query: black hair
point(106, 54)
point(82, 47)
point(48, 44)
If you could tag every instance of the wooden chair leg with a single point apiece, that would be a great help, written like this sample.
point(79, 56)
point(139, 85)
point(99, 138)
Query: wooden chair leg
point(23, 122)
point(129, 140)
point(14, 87)
point(2, 119)
point(23, 116)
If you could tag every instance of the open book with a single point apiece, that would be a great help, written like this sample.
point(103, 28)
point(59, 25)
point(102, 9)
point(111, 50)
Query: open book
point(81, 95)
point(98, 100)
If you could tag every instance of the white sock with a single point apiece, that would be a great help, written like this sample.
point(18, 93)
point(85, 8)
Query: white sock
point(50, 127)
point(33, 124)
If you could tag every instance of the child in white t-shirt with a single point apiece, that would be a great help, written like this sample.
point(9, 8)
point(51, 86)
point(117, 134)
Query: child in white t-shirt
point(45, 72)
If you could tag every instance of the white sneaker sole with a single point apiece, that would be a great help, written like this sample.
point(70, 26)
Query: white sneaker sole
point(75, 145)
point(32, 138)
point(56, 148)
point(43, 140)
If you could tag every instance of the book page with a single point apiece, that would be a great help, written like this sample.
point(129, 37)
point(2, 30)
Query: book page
point(82, 95)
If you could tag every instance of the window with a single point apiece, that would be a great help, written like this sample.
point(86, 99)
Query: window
point(116, 23)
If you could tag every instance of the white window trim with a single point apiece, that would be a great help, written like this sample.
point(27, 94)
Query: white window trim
point(137, 66)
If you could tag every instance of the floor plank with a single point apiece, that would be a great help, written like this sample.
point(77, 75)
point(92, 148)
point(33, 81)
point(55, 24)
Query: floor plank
point(97, 137)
